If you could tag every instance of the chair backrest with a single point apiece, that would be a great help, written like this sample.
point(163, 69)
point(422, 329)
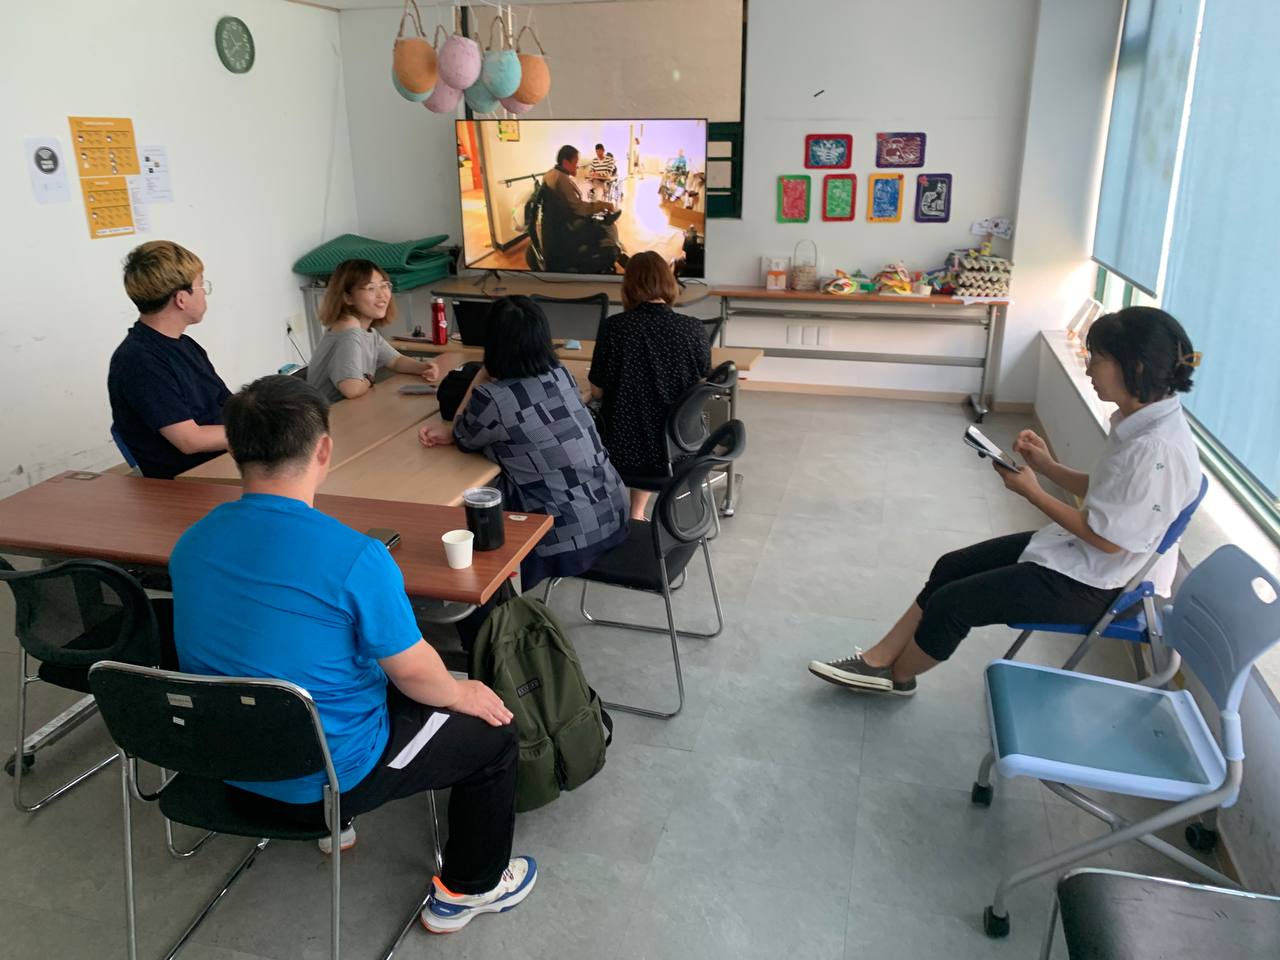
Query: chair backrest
point(576, 318)
point(78, 612)
point(122, 447)
point(1221, 623)
point(685, 511)
point(1179, 525)
point(687, 428)
point(217, 728)
point(724, 376)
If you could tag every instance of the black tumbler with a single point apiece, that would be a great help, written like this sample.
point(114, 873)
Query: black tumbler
point(484, 516)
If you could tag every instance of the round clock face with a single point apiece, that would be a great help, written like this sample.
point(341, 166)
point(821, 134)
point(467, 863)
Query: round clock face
point(234, 43)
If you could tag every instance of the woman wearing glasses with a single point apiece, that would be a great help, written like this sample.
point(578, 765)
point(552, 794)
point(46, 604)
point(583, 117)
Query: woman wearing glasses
point(351, 352)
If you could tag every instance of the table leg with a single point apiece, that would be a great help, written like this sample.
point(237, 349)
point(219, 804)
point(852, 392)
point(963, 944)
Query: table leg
point(729, 506)
point(979, 400)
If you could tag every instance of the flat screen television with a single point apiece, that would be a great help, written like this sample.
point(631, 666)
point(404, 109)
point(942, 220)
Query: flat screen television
point(634, 185)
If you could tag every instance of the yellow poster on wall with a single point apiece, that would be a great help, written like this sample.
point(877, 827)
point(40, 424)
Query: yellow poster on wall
point(104, 146)
point(106, 205)
point(105, 152)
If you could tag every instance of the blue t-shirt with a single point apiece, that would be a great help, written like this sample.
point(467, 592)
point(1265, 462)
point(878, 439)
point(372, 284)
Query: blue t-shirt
point(156, 381)
point(266, 586)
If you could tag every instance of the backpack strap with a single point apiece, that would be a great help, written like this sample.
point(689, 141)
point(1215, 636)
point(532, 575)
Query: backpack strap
point(604, 716)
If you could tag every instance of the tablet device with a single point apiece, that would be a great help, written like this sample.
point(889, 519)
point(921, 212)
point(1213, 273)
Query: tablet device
point(978, 440)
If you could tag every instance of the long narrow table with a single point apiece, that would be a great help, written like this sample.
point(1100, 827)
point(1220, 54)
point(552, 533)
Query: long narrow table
point(987, 313)
point(134, 521)
point(484, 287)
point(744, 358)
point(357, 426)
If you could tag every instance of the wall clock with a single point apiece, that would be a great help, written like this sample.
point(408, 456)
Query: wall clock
point(234, 43)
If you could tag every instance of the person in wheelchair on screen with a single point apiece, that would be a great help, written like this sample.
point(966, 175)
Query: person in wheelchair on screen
point(1072, 570)
point(575, 238)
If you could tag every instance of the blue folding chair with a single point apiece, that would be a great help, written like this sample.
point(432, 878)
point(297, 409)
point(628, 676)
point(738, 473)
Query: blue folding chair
point(1141, 627)
point(1073, 730)
point(123, 448)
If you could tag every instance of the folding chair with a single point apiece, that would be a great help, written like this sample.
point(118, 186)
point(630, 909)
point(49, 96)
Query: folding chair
point(207, 730)
point(1113, 915)
point(658, 550)
point(1072, 730)
point(69, 616)
point(1144, 625)
point(125, 452)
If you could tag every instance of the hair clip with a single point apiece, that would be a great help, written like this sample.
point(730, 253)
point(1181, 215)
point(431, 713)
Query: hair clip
point(1190, 360)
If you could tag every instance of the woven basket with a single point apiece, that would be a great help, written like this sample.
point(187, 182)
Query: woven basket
point(804, 276)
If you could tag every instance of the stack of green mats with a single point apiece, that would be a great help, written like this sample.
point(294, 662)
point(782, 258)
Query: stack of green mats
point(410, 264)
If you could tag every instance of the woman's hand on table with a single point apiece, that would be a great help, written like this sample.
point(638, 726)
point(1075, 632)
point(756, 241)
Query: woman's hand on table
point(430, 371)
point(435, 434)
point(1023, 483)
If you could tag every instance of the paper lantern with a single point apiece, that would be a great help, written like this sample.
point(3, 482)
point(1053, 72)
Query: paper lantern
point(459, 62)
point(414, 64)
point(535, 75)
point(513, 105)
point(500, 69)
point(413, 59)
point(500, 72)
point(479, 99)
point(443, 99)
point(407, 94)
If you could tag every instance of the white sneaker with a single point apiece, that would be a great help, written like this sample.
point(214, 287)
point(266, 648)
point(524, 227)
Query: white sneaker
point(448, 912)
point(345, 842)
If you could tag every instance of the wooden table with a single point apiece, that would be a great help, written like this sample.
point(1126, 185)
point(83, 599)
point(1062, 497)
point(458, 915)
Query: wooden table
point(357, 426)
point(985, 312)
point(134, 521)
point(743, 357)
point(484, 287)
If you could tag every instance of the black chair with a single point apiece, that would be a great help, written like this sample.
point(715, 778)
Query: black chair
point(211, 729)
point(69, 616)
point(1112, 915)
point(656, 551)
point(689, 424)
point(577, 318)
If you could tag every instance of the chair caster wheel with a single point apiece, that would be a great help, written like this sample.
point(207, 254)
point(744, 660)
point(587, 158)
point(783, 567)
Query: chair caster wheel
point(980, 796)
point(28, 761)
point(1200, 837)
point(995, 927)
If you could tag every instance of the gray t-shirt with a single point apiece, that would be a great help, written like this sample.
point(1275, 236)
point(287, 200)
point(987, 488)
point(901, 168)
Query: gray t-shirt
point(350, 354)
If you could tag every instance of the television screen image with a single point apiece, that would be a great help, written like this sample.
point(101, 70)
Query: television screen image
point(580, 196)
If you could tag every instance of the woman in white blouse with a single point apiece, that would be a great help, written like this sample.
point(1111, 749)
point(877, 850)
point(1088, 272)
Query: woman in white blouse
point(1071, 571)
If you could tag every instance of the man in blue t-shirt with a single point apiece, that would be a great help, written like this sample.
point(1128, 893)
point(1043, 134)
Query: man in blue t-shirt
point(268, 586)
point(166, 398)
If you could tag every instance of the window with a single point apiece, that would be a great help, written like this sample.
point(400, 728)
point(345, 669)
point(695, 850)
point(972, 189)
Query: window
point(1148, 107)
point(1224, 248)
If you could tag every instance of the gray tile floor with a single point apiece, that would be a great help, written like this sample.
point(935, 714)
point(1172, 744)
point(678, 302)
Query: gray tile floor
point(776, 816)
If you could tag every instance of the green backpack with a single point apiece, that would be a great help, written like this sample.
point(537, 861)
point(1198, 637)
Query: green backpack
point(523, 654)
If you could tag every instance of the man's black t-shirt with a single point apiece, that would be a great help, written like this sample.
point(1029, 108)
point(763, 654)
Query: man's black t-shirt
point(155, 381)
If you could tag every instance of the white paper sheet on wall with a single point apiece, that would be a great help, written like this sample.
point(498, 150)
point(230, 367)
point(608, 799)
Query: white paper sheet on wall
point(46, 164)
point(155, 172)
point(138, 201)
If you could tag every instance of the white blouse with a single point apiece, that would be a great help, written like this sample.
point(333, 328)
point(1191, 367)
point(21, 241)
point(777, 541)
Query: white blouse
point(1149, 471)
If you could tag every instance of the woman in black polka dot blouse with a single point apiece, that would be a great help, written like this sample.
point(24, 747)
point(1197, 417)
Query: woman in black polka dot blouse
point(645, 358)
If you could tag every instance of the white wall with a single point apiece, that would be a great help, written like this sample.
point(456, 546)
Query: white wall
point(1061, 168)
point(261, 173)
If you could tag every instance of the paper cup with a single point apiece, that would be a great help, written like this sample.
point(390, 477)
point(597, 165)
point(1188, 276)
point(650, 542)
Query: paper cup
point(457, 548)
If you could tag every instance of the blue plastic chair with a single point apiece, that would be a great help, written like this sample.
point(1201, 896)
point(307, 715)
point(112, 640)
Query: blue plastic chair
point(1144, 625)
point(124, 450)
point(1073, 730)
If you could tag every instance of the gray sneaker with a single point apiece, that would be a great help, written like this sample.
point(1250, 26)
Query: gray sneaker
point(855, 673)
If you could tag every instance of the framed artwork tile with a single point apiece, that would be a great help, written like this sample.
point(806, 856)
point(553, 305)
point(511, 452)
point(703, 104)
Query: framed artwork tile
point(793, 198)
point(829, 151)
point(839, 195)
